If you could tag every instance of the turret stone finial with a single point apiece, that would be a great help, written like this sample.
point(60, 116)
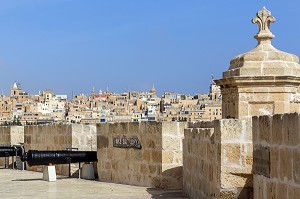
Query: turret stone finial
point(264, 18)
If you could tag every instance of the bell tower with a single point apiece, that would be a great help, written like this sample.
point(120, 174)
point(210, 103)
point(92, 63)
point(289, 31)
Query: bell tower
point(15, 90)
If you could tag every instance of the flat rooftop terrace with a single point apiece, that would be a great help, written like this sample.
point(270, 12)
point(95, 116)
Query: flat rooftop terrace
point(27, 184)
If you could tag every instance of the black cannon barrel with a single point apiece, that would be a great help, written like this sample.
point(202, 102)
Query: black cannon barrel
point(34, 157)
point(6, 151)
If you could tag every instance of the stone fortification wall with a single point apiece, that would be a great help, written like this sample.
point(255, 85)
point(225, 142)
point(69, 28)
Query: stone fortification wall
point(218, 159)
point(276, 165)
point(201, 162)
point(172, 155)
point(11, 135)
point(48, 137)
point(5, 135)
point(84, 137)
point(60, 137)
point(236, 158)
point(158, 163)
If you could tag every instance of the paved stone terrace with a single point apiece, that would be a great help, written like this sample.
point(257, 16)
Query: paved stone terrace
point(27, 184)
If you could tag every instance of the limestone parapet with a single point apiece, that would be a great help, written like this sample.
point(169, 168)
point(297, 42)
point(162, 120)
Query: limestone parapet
point(276, 165)
point(156, 163)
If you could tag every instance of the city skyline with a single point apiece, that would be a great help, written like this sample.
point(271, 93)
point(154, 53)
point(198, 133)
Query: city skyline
point(98, 90)
point(71, 46)
point(22, 108)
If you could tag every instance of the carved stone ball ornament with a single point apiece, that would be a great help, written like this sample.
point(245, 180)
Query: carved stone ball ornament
point(263, 19)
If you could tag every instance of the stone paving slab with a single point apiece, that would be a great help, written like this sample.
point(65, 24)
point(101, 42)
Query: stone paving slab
point(27, 184)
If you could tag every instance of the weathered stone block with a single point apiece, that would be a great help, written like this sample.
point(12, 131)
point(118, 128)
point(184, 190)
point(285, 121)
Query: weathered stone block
point(254, 56)
point(247, 154)
point(150, 144)
point(258, 186)
point(296, 166)
point(152, 169)
point(231, 129)
point(261, 158)
point(265, 128)
point(156, 156)
point(103, 141)
point(290, 129)
point(255, 129)
point(277, 123)
point(281, 190)
point(285, 168)
point(146, 155)
point(167, 157)
point(231, 153)
point(274, 162)
point(262, 107)
point(178, 157)
point(293, 192)
point(171, 143)
point(144, 169)
point(276, 55)
point(270, 189)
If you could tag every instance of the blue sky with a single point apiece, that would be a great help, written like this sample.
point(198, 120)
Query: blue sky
point(72, 45)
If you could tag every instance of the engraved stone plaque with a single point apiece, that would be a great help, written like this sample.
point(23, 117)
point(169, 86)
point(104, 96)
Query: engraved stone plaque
point(127, 142)
point(261, 160)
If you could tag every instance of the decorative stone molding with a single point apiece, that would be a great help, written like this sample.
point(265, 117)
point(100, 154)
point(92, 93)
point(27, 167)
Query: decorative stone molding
point(263, 19)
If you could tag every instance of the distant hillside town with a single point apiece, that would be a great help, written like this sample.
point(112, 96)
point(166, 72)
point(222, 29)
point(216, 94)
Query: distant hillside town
point(21, 108)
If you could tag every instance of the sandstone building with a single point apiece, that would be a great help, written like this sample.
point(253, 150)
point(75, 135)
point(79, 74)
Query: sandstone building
point(22, 108)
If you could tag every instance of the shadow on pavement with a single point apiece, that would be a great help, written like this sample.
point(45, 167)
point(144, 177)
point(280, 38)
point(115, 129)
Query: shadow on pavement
point(33, 179)
point(166, 193)
point(37, 179)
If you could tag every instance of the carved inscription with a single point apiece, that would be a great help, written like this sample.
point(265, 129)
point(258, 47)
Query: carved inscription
point(261, 160)
point(127, 142)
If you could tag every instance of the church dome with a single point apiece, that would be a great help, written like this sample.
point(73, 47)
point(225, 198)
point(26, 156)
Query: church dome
point(264, 59)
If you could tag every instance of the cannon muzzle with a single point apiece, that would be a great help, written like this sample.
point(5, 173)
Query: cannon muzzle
point(7, 151)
